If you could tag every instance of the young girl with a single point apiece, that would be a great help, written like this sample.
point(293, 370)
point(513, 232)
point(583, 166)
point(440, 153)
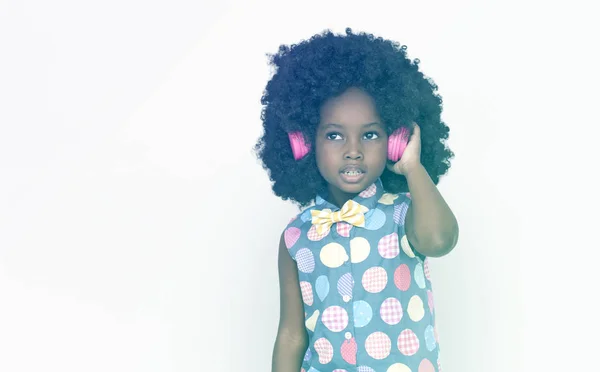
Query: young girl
point(353, 269)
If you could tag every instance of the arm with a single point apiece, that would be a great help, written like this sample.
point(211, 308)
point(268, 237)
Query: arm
point(292, 340)
point(431, 227)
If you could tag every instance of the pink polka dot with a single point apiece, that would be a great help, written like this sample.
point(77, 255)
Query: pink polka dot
point(343, 228)
point(430, 300)
point(402, 277)
point(408, 342)
point(313, 235)
point(374, 279)
point(307, 293)
point(324, 350)
point(291, 236)
point(426, 366)
point(378, 345)
point(426, 269)
point(388, 246)
point(368, 192)
point(335, 318)
point(348, 351)
point(391, 311)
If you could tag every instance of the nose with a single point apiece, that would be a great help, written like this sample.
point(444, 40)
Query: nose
point(353, 150)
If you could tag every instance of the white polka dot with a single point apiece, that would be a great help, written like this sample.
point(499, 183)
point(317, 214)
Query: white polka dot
point(311, 322)
point(415, 310)
point(398, 367)
point(333, 255)
point(359, 249)
point(406, 247)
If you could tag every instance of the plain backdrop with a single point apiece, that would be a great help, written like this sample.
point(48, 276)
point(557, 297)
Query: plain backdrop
point(138, 232)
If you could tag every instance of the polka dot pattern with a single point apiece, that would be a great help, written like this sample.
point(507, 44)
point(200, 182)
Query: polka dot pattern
point(402, 277)
point(368, 192)
point(378, 345)
point(408, 342)
point(426, 366)
point(399, 367)
point(367, 297)
point(426, 269)
point(374, 219)
point(391, 311)
point(348, 351)
point(406, 247)
point(415, 310)
point(363, 313)
point(359, 249)
point(343, 229)
point(388, 246)
point(314, 236)
point(345, 285)
point(324, 350)
point(419, 276)
point(430, 338)
point(291, 236)
point(307, 293)
point(400, 213)
point(305, 261)
point(322, 287)
point(374, 279)
point(335, 318)
point(333, 255)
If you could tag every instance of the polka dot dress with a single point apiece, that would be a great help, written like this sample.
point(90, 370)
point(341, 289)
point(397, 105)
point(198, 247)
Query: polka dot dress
point(367, 294)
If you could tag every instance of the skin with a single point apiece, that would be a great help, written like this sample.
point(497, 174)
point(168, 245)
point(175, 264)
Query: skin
point(351, 132)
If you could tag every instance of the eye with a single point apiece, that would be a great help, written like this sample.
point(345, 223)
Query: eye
point(371, 135)
point(331, 136)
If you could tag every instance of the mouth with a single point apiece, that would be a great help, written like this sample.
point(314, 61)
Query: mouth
point(352, 173)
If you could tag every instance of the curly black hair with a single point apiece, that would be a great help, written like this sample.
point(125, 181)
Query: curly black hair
point(311, 72)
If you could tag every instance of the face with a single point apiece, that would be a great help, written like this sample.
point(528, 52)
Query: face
point(351, 144)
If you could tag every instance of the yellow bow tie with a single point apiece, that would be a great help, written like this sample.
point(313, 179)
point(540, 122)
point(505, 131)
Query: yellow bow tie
point(351, 212)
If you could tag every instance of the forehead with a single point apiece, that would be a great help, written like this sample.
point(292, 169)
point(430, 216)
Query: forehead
point(353, 108)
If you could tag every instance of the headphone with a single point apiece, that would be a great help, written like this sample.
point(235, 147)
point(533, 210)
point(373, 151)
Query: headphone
point(396, 144)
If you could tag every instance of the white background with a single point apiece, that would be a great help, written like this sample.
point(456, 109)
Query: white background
point(139, 233)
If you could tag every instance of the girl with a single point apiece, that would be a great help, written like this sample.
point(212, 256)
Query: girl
point(355, 291)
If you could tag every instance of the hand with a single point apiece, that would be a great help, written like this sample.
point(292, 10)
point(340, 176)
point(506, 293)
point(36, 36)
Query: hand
point(411, 157)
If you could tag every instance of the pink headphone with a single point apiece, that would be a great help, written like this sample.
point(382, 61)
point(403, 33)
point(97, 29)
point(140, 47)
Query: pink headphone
point(396, 144)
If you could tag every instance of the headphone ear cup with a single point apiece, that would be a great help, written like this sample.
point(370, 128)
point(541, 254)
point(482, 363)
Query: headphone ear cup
point(299, 147)
point(397, 143)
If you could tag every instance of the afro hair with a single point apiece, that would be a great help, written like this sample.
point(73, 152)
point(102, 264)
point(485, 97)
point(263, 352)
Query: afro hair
point(311, 72)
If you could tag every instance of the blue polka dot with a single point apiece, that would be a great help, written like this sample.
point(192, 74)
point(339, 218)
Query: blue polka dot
point(374, 219)
point(319, 200)
point(313, 369)
point(322, 287)
point(429, 338)
point(362, 313)
point(306, 216)
point(308, 355)
point(365, 369)
point(420, 276)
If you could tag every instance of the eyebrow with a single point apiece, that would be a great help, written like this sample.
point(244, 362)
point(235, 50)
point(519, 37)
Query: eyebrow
point(341, 126)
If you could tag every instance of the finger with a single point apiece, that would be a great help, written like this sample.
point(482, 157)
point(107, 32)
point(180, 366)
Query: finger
point(392, 167)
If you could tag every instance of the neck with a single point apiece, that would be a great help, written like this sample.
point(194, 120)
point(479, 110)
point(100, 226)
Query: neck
point(338, 197)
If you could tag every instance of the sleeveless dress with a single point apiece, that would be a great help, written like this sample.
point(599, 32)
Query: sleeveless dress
point(367, 294)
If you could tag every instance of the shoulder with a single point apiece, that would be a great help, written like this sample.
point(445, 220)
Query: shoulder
point(297, 227)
